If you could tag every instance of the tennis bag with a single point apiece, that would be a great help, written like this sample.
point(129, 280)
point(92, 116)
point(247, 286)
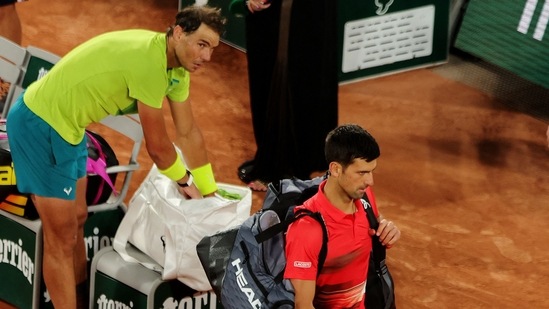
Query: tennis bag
point(11, 200)
point(245, 265)
point(100, 156)
point(99, 188)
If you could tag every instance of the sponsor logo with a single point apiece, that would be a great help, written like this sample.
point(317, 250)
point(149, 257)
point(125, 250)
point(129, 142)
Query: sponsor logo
point(104, 303)
point(68, 190)
point(198, 300)
point(12, 253)
point(300, 264)
point(383, 6)
point(530, 7)
point(41, 73)
point(7, 175)
point(96, 242)
point(243, 283)
point(47, 298)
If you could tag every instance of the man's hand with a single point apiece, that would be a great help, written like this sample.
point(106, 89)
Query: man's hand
point(257, 5)
point(387, 232)
point(190, 192)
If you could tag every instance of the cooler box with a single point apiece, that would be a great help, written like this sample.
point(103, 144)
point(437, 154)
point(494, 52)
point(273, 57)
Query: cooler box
point(115, 283)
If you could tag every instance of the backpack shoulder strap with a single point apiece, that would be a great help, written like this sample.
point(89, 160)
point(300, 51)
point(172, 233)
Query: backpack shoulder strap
point(324, 249)
point(377, 267)
point(370, 215)
point(283, 226)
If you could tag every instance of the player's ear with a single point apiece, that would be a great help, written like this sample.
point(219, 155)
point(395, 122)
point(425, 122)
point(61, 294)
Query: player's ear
point(335, 169)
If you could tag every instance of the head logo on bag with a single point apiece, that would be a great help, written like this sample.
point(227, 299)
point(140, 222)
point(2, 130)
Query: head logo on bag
point(243, 284)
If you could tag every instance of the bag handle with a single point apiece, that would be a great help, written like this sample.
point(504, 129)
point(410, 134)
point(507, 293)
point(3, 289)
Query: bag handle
point(370, 215)
point(123, 232)
point(378, 249)
point(283, 226)
point(379, 253)
point(324, 249)
point(99, 166)
point(122, 237)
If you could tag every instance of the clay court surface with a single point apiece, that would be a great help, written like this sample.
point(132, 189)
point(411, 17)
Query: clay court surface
point(463, 175)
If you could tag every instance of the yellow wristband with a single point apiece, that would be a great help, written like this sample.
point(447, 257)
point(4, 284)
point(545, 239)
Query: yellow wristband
point(204, 179)
point(176, 171)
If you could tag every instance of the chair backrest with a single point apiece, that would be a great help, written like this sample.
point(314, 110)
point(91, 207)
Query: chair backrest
point(130, 127)
point(32, 62)
point(9, 76)
point(12, 52)
point(39, 63)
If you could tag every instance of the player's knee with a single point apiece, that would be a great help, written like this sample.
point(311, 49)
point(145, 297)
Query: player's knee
point(60, 242)
point(81, 215)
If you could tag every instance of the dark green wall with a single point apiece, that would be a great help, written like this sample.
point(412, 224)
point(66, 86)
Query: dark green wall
point(490, 31)
point(358, 10)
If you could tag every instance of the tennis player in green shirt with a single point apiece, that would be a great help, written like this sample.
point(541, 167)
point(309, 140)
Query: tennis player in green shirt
point(116, 73)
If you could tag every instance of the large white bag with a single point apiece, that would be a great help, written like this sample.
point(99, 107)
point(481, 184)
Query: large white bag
point(167, 227)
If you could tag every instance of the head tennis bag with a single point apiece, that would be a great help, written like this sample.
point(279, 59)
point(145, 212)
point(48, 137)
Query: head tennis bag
point(251, 276)
point(245, 265)
point(100, 156)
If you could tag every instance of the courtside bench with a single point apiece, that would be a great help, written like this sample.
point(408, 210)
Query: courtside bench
point(115, 283)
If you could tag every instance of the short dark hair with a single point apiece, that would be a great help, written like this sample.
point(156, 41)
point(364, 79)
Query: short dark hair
point(348, 142)
point(191, 17)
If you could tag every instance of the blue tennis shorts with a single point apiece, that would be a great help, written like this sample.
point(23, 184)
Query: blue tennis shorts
point(44, 163)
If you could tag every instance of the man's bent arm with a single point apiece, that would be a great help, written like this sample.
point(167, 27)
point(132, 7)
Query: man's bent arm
point(191, 142)
point(188, 136)
point(157, 141)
